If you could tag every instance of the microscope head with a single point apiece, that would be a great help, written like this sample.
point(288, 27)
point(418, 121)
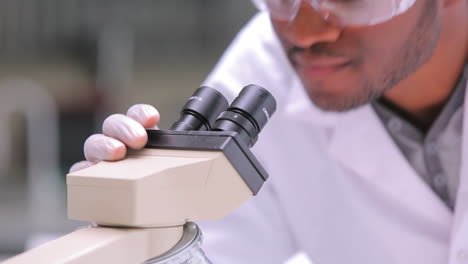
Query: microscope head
point(201, 169)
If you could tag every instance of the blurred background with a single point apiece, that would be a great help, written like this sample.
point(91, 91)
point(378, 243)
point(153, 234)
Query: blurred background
point(66, 64)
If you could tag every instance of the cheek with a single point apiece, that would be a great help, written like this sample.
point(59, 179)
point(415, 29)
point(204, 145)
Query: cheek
point(387, 41)
point(380, 47)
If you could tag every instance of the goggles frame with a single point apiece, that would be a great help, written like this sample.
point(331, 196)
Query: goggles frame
point(347, 13)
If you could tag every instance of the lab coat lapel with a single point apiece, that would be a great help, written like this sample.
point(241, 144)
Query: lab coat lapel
point(460, 225)
point(360, 143)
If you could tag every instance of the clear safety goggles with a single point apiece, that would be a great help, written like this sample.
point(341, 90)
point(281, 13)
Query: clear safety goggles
point(347, 12)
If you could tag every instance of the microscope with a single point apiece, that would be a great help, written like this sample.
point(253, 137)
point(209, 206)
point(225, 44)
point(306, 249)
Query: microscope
point(143, 208)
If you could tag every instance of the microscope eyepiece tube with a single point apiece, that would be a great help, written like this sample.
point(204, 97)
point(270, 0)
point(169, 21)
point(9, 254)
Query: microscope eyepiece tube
point(248, 114)
point(201, 110)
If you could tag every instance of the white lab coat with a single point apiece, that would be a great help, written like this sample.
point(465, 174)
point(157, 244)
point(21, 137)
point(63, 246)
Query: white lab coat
point(339, 190)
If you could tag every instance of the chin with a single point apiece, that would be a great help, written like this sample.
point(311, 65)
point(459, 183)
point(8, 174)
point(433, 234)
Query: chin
point(333, 106)
point(341, 102)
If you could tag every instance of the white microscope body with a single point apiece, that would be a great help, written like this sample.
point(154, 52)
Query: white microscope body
point(139, 206)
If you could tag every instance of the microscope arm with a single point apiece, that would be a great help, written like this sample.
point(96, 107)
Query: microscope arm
point(103, 245)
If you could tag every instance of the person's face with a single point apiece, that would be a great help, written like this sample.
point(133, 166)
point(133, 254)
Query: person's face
point(342, 68)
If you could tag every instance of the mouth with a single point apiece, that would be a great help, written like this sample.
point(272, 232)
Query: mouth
point(320, 67)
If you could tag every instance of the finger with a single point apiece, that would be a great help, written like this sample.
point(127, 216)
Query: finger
point(125, 129)
point(100, 147)
point(144, 114)
point(81, 165)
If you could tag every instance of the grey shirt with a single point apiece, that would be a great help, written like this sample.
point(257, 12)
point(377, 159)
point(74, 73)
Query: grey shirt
point(435, 155)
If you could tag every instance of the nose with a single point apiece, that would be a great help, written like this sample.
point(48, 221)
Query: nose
point(309, 27)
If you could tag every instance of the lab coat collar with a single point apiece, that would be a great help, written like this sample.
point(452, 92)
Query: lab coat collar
point(461, 207)
point(360, 143)
point(358, 140)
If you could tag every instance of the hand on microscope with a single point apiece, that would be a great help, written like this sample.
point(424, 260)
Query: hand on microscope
point(119, 132)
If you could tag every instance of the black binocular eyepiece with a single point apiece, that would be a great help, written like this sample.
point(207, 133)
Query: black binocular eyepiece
point(201, 110)
point(248, 114)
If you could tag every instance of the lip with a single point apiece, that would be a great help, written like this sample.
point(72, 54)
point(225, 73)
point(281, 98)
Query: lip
point(320, 67)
